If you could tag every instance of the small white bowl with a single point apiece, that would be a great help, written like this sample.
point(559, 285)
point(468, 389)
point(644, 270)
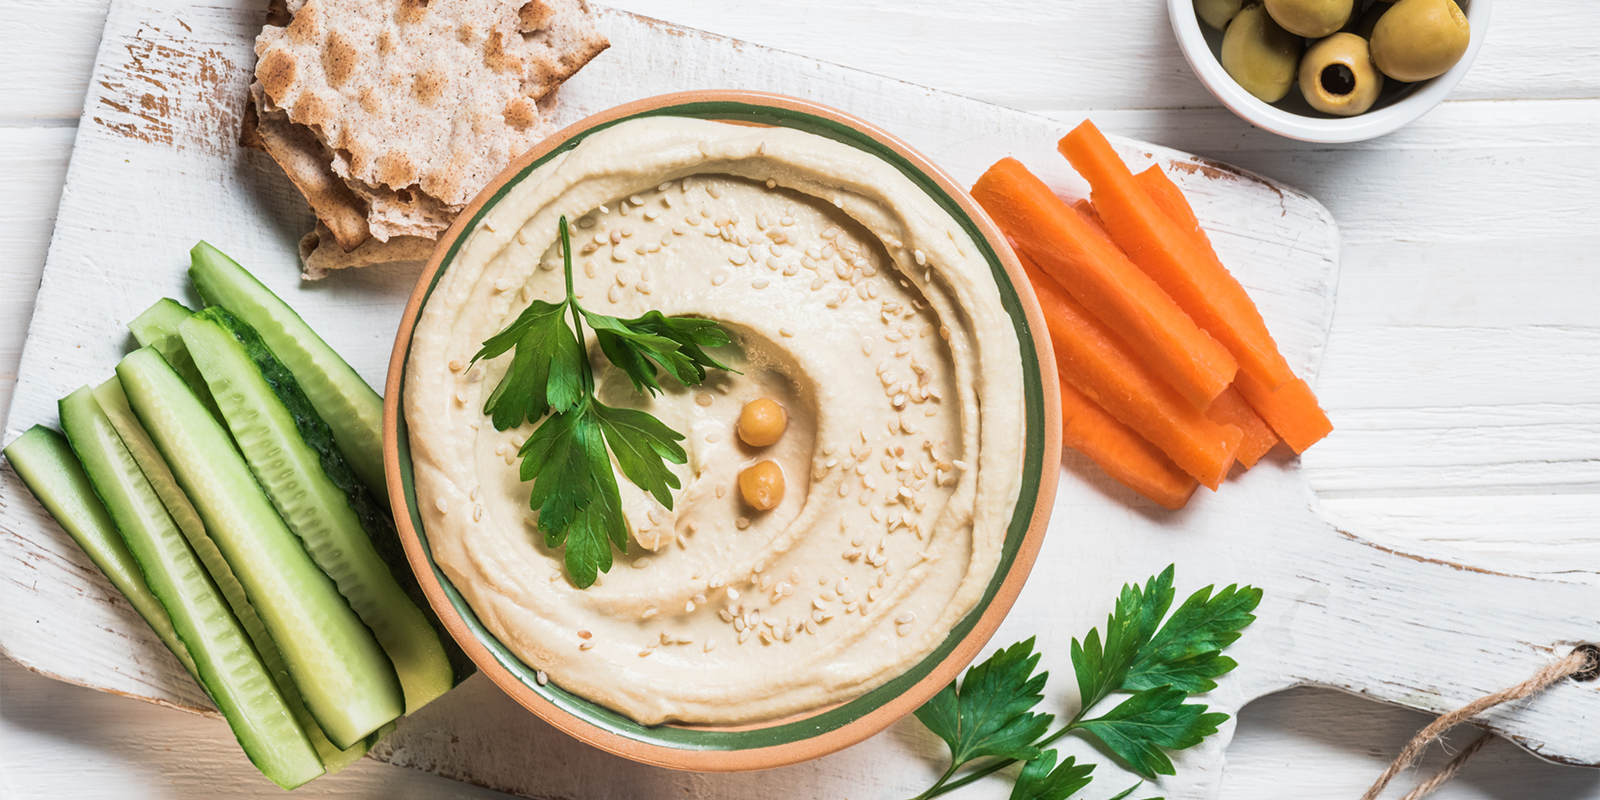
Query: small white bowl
point(1292, 117)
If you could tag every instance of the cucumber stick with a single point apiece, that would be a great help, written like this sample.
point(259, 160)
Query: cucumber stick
point(294, 457)
point(47, 465)
point(347, 682)
point(157, 327)
point(114, 402)
point(346, 403)
point(229, 667)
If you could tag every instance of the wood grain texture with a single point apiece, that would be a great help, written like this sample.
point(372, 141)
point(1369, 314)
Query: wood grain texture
point(1418, 272)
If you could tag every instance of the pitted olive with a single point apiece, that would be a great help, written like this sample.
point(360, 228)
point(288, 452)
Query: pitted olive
point(1216, 13)
point(1369, 19)
point(1419, 39)
point(1312, 19)
point(1337, 76)
point(1260, 55)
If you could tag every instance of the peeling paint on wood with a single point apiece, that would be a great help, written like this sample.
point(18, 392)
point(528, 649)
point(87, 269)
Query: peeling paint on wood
point(1401, 624)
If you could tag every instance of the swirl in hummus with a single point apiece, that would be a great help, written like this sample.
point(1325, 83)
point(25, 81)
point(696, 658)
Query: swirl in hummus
point(856, 302)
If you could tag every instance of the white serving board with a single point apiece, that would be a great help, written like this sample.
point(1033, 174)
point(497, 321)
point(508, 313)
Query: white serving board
point(156, 167)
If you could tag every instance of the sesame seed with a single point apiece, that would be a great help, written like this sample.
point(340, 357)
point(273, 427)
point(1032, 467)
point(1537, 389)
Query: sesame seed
point(785, 332)
point(714, 190)
point(585, 645)
point(759, 283)
point(772, 184)
point(733, 594)
point(705, 148)
point(689, 607)
point(742, 523)
point(440, 504)
point(648, 613)
point(922, 259)
point(642, 287)
point(719, 278)
point(722, 488)
point(866, 345)
point(711, 644)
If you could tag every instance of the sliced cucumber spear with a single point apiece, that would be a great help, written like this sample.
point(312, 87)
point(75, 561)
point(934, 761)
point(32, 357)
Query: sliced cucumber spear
point(229, 667)
point(47, 465)
point(349, 406)
point(293, 455)
point(158, 327)
point(347, 682)
point(114, 402)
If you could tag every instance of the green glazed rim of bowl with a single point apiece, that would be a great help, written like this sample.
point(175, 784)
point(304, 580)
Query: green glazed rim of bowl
point(807, 727)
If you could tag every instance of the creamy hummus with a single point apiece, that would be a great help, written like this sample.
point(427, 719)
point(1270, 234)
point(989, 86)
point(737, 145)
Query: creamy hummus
point(856, 302)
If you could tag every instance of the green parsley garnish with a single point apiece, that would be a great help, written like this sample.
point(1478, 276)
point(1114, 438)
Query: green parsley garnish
point(574, 489)
point(989, 715)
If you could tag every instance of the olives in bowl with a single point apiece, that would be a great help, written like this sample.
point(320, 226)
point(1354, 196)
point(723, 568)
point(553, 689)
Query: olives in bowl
point(1329, 70)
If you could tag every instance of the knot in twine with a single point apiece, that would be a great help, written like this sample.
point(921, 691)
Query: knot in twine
point(1583, 662)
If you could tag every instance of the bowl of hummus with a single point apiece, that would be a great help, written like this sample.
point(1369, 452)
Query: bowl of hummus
point(863, 488)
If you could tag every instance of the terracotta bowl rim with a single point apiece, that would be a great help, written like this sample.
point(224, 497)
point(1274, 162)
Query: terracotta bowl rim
point(702, 748)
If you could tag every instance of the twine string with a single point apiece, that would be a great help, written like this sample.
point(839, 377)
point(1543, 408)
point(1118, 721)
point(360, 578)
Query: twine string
point(1580, 660)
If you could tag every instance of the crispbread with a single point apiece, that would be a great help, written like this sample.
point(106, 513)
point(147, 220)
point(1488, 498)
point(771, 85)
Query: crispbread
point(322, 254)
point(429, 97)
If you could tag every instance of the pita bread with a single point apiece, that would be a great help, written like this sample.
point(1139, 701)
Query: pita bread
point(429, 97)
point(322, 254)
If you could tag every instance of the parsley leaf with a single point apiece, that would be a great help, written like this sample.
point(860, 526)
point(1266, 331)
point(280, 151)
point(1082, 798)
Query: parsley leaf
point(1160, 664)
point(566, 457)
point(988, 715)
point(1187, 653)
point(546, 370)
point(1155, 719)
point(642, 445)
point(1041, 779)
point(637, 346)
point(1101, 670)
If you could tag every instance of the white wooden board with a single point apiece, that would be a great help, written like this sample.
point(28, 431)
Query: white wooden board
point(155, 168)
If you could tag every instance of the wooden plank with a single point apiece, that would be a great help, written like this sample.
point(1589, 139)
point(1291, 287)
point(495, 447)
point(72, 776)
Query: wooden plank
point(34, 161)
point(47, 32)
point(967, 48)
point(468, 734)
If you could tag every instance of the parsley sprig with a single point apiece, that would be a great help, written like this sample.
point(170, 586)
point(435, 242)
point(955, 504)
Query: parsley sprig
point(574, 489)
point(990, 716)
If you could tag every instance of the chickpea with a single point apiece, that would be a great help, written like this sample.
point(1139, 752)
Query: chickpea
point(762, 485)
point(762, 422)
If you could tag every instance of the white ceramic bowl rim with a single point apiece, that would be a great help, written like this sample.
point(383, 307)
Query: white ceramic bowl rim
point(1186, 26)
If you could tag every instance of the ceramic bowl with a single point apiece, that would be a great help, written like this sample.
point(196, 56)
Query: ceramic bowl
point(1399, 104)
point(787, 741)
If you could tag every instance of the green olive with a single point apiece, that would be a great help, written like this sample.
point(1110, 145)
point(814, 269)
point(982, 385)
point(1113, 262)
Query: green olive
point(1337, 76)
point(1364, 26)
point(1419, 39)
point(1259, 54)
point(1312, 19)
point(762, 485)
point(1216, 13)
point(762, 421)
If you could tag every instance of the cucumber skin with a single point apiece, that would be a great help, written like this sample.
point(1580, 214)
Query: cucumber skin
point(45, 462)
point(428, 671)
point(320, 636)
point(344, 400)
point(244, 691)
point(157, 326)
point(114, 402)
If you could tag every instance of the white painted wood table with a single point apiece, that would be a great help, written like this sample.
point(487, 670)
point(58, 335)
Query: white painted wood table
point(1463, 371)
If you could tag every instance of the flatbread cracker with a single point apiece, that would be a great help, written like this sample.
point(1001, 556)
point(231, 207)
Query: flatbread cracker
point(430, 97)
point(322, 254)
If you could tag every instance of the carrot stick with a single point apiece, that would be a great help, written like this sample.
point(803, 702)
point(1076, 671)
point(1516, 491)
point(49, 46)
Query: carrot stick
point(1231, 409)
point(1125, 455)
point(1192, 277)
point(1292, 409)
point(1086, 210)
point(1105, 282)
point(1101, 366)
